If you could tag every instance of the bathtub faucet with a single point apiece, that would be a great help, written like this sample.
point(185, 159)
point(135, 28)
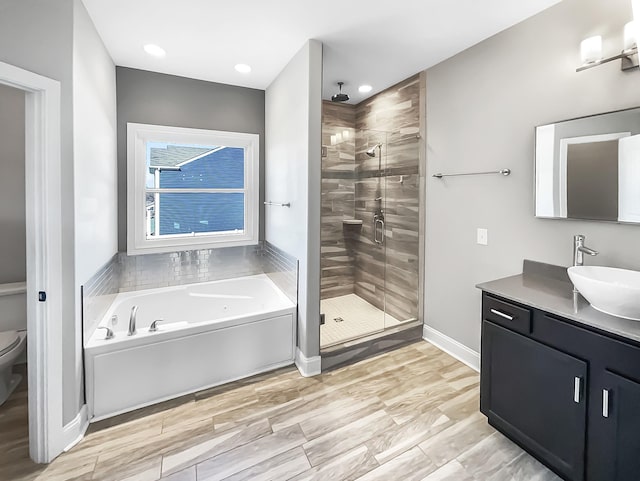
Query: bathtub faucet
point(132, 321)
point(154, 325)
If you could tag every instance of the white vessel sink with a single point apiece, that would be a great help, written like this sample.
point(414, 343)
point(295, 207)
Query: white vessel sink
point(609, 290)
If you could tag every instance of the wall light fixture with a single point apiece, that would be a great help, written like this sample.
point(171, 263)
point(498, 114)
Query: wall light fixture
point(591, 51)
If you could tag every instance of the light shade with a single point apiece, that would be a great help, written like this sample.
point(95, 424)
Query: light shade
point(154, 50)
point(591, 49)
point(630, 35)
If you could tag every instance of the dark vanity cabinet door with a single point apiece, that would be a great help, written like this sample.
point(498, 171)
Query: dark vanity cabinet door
point(615, 429)
point(535, 395)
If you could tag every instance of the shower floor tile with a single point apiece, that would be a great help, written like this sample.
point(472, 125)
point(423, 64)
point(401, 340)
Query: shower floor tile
point(350, 317)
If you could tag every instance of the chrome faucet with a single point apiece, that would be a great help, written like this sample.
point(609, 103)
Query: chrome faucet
point(109, 334)
point(154, 325)
point(132, 321)
point(579, 250)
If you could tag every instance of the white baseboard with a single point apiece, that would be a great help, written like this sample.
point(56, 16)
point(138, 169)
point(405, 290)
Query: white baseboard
point(452, 347)
point(74, 431)
point(308, 366)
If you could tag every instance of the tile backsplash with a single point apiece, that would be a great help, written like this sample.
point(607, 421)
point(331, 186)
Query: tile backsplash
point(282, 269)
point(131, 273)
point(97, 295)
point(187, 267)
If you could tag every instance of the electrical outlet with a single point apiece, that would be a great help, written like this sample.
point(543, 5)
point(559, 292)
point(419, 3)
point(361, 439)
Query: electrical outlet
point(483, 237)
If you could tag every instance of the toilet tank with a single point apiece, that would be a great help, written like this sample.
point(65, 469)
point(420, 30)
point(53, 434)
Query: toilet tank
point(13, 306)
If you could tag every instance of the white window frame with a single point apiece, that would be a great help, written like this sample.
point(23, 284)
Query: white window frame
point(137, 137)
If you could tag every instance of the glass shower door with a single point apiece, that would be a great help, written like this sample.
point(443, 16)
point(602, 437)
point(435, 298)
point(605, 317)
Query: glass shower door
point(402, 221)
point(371, 243)
point(369, 235)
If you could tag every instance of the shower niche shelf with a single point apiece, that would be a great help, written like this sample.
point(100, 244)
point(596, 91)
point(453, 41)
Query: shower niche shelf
point(352, 221)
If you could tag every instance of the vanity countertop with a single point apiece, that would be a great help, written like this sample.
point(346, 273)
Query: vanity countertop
point(548, 288)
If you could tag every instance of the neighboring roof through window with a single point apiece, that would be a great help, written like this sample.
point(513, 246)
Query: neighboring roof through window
point(175, 156)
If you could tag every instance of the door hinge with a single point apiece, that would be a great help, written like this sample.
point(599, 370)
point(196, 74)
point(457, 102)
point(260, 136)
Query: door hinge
point(42, 296)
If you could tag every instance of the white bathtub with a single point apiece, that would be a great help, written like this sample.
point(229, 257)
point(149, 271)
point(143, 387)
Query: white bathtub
point(210, 334)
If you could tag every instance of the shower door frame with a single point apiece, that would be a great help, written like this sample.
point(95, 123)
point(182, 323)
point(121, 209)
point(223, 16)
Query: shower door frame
point(43, 206)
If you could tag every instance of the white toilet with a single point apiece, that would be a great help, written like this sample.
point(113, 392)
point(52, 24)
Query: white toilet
point(12, 345)
point(13, 335)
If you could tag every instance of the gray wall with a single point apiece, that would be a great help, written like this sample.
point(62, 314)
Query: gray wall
point(37, 35)
point(13, 240)
point(482, 106)
point(153, 98)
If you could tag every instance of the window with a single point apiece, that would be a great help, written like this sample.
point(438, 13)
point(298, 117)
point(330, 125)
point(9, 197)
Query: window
point(190, 188)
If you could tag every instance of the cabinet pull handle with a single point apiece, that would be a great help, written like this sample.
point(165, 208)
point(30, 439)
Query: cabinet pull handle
point(577, 389)
point(605, 403)
point(502, 314)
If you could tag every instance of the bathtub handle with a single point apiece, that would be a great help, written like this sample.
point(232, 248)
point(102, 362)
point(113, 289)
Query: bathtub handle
point(154, 325)
point(132, 321)
point(109, 334)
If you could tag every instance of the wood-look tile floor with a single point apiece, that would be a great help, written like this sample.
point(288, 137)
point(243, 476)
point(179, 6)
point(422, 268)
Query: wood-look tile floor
point(411, 414)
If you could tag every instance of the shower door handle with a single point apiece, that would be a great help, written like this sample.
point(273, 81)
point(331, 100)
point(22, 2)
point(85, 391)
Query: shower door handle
point(378, 222)
point(375, 229)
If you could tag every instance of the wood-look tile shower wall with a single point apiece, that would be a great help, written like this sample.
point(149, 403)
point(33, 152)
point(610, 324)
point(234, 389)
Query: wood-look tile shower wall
point(338, 198)
point(351, 260)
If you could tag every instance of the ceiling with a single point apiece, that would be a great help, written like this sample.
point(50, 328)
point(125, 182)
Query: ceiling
point(375, 42)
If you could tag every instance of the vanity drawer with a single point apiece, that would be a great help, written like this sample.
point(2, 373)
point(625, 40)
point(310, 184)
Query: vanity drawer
point(506, 314)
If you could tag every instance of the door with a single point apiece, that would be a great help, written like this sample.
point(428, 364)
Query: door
point(402, 219)
point(535, 395)
point(615, 428)
point(369, 244)
point(44, 262)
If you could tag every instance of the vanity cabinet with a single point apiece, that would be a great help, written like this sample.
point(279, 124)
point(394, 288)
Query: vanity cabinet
point(533, 393)
point(567, 394)
point(617, 428)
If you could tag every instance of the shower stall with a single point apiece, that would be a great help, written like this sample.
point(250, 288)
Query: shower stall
point(371, 217)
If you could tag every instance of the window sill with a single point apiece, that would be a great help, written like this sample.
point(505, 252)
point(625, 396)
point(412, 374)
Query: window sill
point(151, 247)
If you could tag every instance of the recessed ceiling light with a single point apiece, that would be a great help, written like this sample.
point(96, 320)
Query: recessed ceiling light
point(243, 68)
point(154, 50)
point(363, 89)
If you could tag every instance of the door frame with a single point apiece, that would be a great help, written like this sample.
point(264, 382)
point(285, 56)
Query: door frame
point(43, 207)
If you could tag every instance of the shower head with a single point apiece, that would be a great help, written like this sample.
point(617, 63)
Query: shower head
point(340, 97)
point(372, 151)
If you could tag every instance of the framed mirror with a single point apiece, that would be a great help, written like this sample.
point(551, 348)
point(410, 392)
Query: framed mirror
point(589, 168)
